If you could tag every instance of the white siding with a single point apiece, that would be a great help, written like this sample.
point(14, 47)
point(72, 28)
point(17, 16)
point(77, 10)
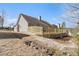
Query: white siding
point(15, 29)
point(23, 25)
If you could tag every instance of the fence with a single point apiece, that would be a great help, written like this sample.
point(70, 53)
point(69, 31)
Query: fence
point(36, 29)
point(50, 32)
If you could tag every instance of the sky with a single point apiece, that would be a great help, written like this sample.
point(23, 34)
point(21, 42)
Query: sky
point(49, 12)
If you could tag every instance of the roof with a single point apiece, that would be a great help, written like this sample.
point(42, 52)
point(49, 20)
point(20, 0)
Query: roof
point(32, 21)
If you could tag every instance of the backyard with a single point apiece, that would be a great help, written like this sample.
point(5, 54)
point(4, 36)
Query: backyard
point(12, 44)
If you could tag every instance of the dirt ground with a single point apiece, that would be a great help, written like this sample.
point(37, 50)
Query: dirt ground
point(17, 44)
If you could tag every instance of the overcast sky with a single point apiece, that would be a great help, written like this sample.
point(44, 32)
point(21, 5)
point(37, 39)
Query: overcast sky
point(49, 12)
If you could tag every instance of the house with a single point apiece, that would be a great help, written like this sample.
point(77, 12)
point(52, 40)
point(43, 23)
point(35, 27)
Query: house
point(34, 25)
point(1, 22)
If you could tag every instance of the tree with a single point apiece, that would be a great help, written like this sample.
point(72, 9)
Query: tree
point(71, 14)
point(11, 25)
point(63, 25)
point(75, 8)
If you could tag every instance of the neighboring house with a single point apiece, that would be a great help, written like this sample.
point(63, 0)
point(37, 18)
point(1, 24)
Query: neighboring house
point(1, 22)
point(30, 24)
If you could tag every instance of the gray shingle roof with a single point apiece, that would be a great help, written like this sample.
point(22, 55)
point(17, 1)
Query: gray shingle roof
point(32, 21)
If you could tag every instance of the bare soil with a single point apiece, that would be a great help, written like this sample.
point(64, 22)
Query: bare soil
point(17, 44)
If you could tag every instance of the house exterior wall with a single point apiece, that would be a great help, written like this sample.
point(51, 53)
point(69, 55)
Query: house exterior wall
point(38, 30)
point(24, 28)
point(23, 25)
point(15, 29)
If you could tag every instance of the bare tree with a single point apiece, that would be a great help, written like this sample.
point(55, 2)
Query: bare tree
point(11, 25)
point(71, 14)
